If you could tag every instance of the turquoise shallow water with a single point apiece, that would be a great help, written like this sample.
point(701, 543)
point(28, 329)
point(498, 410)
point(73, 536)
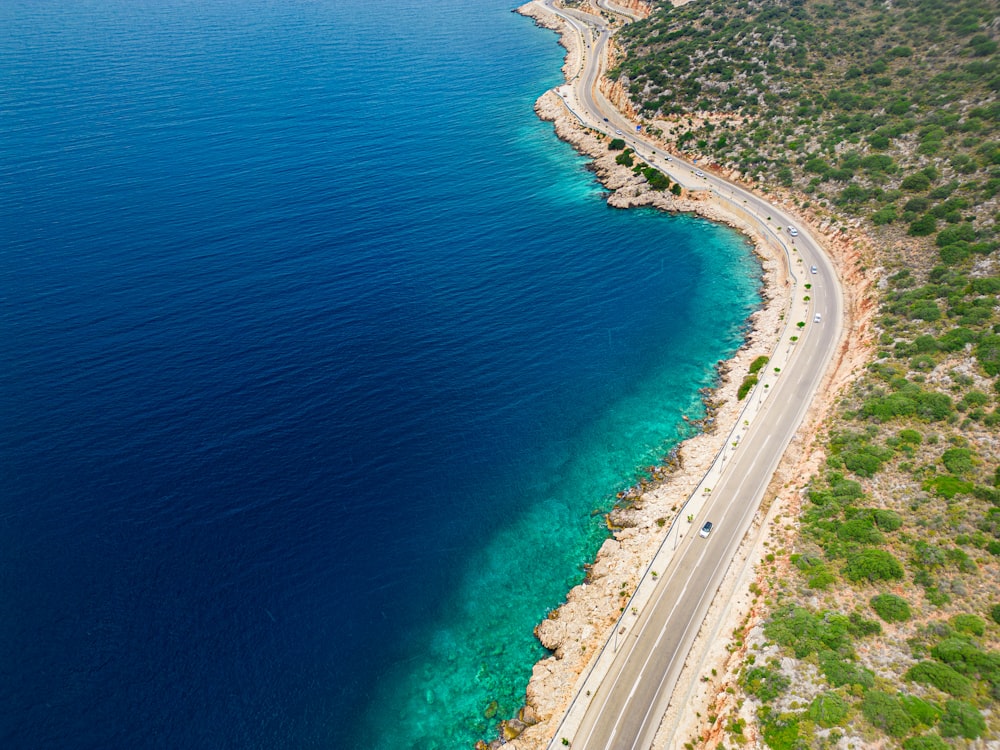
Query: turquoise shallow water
point(323, 359)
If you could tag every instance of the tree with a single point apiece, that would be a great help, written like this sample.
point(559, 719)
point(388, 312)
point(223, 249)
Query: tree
point(656, 179)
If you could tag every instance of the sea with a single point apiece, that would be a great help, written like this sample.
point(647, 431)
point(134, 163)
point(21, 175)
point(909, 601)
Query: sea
point(322, 361)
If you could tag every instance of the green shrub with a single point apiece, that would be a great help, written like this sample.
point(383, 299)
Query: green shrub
point(952, 255)
point(878, 163)
point(973, 399)
point(966, 623)
point(781, 733)
point(617, 144)
point(925, 344)
point(861, 531)
point(957, 233)
point(961, 719)
point(926, 742)
point(818, 165)
point(923, 226)
point(625, 158)
point(891, 608)
point(985, 285)
point(927, 555)
point(805, 632)
point(821, 579)
point(925, 309)
point(748, 382)
point(839, 671)
point(988, 354)
point(916, 182)
point(910, 401)
point(886, 520)
point(885, 215)
point(911, 436)
point(860, 626)
point(845, 489)
point(920, 710)
point(873, 565)
point(995, 613)
point(764, 683)
point(656, 179)
point(758, 363)
point(866, 460)
point(956, 339)
point(941, 676)
point(827, 709)
point(962, 656)
point(958, 460)
point(948, 486)
point(887, 713)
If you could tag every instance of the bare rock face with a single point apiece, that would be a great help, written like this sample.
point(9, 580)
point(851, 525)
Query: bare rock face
point(616, 93)
point(552, 634)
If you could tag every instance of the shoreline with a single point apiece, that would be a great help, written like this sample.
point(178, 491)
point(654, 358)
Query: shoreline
point(577, 631)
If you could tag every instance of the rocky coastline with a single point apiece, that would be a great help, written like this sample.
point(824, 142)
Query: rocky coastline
point(575, 632)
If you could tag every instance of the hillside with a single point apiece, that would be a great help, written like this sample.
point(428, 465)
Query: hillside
point(881, 622)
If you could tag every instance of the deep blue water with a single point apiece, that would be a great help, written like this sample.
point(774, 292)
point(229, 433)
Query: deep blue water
point(320, 354)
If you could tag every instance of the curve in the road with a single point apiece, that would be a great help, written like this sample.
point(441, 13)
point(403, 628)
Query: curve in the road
point(626, 700)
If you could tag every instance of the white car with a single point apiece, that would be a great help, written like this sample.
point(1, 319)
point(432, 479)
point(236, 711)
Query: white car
point(813, 269)
point(618, 132)
point(699, 173)
point(706, 529)
point(817, 318)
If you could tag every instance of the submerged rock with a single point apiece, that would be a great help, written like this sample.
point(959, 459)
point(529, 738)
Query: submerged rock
point(512, 728)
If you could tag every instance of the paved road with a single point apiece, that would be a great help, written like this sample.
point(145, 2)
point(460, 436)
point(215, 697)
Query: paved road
point(642, 666)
